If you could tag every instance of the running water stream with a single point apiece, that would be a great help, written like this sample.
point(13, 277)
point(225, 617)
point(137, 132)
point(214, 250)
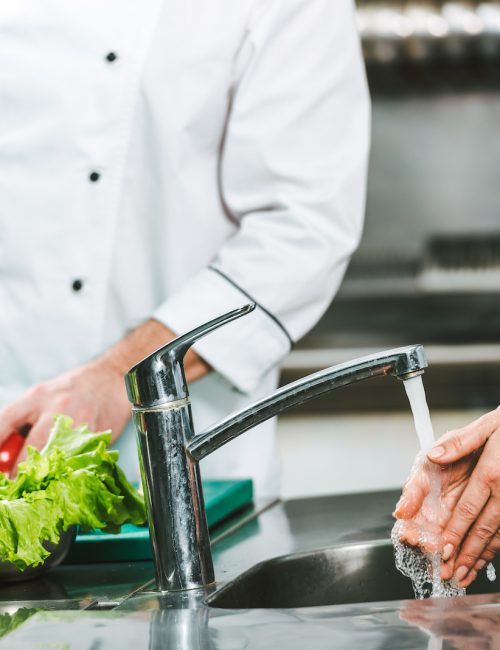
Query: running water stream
point(424, 569)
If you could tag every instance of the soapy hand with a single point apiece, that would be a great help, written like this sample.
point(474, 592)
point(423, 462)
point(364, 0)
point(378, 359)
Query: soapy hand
point(469, 461)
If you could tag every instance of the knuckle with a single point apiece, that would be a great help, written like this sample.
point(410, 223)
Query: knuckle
point(469, 559)
point(492, 549)
point(488, 419)
point(466, 510)
point(60, 402)
point(36, 392)
point(492, 418)
point(488, 423)
point(453, 537)
point(484, 532)
point(491, 475)
point(456, 443)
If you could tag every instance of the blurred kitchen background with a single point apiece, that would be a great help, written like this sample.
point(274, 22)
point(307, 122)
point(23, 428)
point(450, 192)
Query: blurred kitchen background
point(428, 268)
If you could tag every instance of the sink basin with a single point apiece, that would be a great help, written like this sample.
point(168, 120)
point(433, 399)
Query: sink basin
point(349, 573)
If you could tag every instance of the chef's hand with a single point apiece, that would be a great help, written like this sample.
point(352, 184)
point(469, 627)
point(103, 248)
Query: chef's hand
point(470, 461)
point(471, 536)
point(424, 512)
point(93, 393)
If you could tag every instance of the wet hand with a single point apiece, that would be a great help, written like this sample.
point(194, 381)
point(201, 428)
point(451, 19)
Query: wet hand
point(429, 497)
point(471, 536)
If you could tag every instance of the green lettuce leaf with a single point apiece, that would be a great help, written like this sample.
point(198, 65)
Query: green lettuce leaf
point(74, 480)
point(9, 622)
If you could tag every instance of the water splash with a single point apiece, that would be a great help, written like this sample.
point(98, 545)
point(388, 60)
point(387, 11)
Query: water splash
point(435, 643)
point(424, 569)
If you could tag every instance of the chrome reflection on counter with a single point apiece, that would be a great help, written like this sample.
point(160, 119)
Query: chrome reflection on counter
point(428, 31)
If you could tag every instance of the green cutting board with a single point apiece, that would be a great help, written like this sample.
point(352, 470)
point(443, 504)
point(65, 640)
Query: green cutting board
point(222, 498)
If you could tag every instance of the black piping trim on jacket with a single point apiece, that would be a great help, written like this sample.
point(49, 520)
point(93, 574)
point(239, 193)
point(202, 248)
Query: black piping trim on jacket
point(271, 316)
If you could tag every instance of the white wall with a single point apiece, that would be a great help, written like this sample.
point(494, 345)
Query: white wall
point(352, 453)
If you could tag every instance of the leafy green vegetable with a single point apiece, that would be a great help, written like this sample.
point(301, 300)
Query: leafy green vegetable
point(9, 622)
point(74, 480)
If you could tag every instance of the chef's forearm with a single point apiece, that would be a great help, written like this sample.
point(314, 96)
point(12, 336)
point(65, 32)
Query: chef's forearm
point(144, 340)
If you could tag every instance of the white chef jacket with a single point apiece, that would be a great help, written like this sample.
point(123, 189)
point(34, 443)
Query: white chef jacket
point(176, 159)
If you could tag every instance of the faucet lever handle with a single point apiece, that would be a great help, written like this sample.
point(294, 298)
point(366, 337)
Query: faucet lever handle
point(159, 378)
point(181, 344)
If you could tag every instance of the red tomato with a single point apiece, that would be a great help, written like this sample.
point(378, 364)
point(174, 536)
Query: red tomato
point(9, 451)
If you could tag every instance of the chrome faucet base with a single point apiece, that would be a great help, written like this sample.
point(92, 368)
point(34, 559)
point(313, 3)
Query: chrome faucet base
point(171, 482)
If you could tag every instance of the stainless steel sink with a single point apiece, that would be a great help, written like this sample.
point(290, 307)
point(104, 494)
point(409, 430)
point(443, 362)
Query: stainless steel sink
point(350, 573)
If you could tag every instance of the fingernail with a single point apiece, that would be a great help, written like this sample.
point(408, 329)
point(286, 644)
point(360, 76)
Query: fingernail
point(447, 552)
point(437, 452)
point(461, 572)
point(480, 564)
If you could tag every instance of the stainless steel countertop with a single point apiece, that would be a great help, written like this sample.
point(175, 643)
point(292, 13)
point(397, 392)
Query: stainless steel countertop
point(182, 620)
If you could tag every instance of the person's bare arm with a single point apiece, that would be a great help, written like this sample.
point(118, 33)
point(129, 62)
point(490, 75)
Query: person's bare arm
point(93, 393)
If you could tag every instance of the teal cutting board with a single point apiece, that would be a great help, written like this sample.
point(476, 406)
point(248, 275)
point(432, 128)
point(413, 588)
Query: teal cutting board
point(222, 498)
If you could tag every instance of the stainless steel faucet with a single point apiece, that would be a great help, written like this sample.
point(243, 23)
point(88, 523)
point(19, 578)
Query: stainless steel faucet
point(170, 451)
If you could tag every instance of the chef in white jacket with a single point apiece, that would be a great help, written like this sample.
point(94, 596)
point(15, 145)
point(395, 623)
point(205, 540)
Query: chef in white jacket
point(160, 164)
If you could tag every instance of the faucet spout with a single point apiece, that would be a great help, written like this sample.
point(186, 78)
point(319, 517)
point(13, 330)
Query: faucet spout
point(402, 362)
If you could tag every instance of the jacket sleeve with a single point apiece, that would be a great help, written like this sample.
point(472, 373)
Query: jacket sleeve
point(293, 176)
